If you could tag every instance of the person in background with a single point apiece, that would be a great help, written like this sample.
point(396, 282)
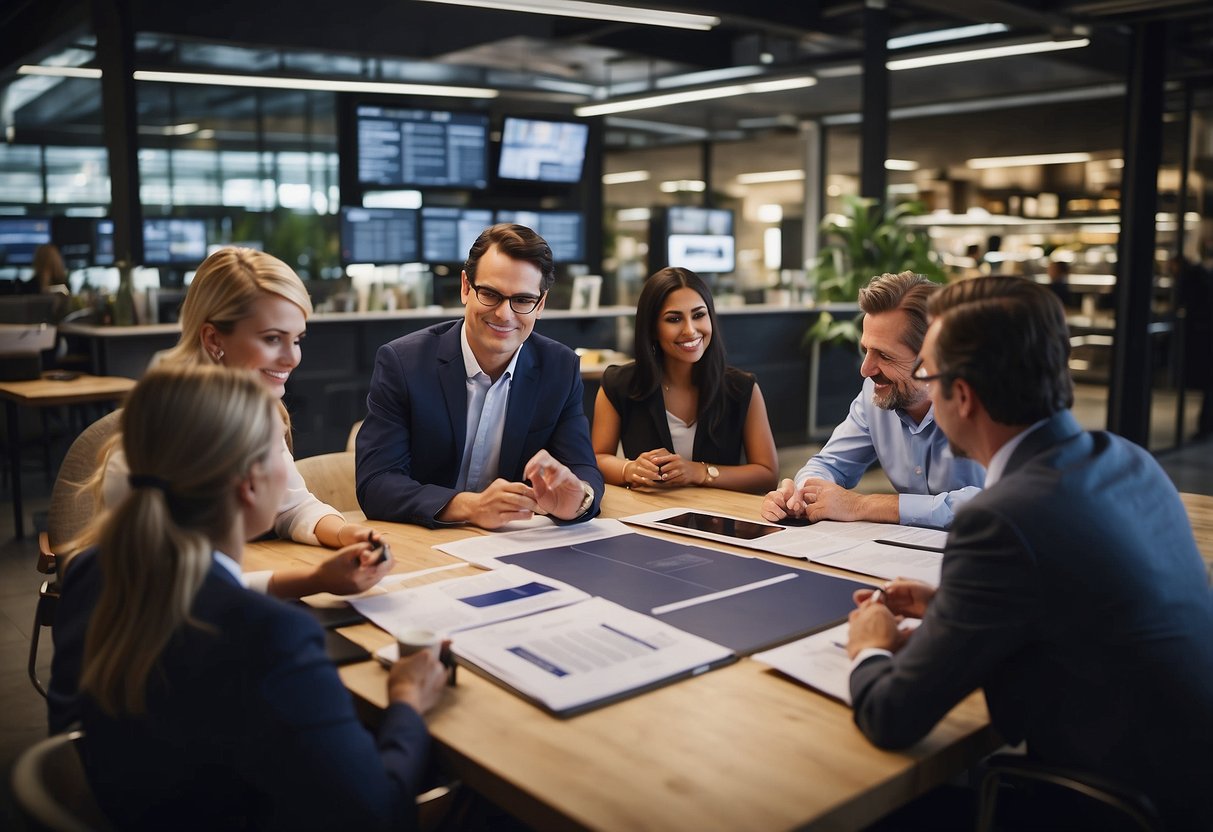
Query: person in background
point(685, 417)
point(248, 310)
point(50, 275)
point(205, 705)
point(1059, 282)
point(1072, 590)
point(891, 421)
point(480, 421)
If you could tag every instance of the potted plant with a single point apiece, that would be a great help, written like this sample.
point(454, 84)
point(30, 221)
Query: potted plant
point(866, 240)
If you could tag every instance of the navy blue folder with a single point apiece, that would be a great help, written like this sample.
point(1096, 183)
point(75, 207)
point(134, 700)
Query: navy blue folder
point(642, 573)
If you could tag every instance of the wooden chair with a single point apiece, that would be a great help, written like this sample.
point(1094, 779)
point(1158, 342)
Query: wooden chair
point(51, 789)
point(353, 437)
point(71, 509)
point(331, 478)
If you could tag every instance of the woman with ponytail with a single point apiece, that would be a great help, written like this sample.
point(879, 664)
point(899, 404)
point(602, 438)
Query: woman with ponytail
point(248, 310)
point(205, 705)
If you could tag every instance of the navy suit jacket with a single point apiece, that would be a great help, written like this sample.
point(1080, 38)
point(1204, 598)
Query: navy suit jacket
point(411, 443)
point(1072, 591)
point(247, 723)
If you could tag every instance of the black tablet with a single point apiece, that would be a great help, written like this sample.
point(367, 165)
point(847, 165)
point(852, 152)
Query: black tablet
point(723, 526)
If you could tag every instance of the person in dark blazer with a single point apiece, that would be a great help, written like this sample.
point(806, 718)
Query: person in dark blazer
point(1072, 590)
point(206, 705)
point(480, 421)
point(684, 416)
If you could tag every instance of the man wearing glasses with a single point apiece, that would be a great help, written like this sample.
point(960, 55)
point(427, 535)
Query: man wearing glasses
point(891, 422)
point(479, 421)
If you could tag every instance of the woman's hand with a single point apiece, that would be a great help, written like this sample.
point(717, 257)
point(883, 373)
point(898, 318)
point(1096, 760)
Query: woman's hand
point(642, 472)
point(354, 569)
point(674, 471)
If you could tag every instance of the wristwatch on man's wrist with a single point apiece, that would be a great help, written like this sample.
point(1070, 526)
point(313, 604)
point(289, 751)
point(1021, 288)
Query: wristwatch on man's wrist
point(712, 473)
point(586, 502)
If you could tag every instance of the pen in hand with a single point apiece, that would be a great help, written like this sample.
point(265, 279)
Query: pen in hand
point(379, 546)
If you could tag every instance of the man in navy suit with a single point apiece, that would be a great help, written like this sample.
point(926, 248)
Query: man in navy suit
point(480, 421)
point(1072, 590)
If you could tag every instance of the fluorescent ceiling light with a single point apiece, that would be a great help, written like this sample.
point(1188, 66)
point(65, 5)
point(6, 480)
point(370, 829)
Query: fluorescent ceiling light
point(1021, 161)
point(633, 215)
point(942, 35)
point(673, 186)
point(687, 96)
point(987, 53)
point(320, 84)
point(625, 176)
point(596, 11)
point(764, 176)
point(59, 71)
point(900, 164)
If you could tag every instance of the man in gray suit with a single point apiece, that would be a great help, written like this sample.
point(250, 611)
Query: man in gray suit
point(1072, 591)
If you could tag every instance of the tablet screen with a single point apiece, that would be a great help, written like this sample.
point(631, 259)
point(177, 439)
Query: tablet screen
point(724, 526)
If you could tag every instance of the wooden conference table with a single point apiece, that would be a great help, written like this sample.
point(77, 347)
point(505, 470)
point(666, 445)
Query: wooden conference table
point(738, 748)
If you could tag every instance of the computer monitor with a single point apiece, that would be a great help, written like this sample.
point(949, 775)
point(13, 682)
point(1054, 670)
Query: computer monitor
point(700, 239)
point(383, 236)
point(171, 241)
point(448, 233)
point(20, 237)
point(538, 150)
point(399, 147)
point(563, 230)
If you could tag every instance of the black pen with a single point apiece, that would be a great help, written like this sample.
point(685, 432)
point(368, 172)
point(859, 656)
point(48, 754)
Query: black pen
point(378, 543)
point(917, 546)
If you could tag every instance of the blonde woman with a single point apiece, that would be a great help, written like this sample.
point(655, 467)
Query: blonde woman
point(205, 705)
point(248, 310)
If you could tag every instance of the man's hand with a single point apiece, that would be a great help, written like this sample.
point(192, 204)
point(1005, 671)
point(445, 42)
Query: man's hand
point(873, 625)
point(499, 503)
point(558, 491)
point(824, 500)
point(902, 596)
point(781, 503)
point(418, 680)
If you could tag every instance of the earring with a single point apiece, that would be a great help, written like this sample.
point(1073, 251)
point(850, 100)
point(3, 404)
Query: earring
point(217, 355)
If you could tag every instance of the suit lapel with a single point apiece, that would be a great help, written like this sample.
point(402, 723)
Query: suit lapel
point(524, 393)
point(452, 375)
point(1059, 427)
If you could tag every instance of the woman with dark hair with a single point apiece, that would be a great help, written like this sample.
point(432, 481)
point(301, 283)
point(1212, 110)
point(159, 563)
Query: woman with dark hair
point(683, 415)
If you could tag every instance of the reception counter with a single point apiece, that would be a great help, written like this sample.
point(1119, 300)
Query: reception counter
point(327, 393)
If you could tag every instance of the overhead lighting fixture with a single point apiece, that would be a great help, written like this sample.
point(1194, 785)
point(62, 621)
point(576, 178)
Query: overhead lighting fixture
point(1022, 161)
point(596, 11)
point(1029, 48)
point(944, 35)
point(633, 215)
point(765, 176)
point(900, 164)
point(674, 186)
point(623, 177)
point(317, 84)
point(687, 96)
point(59, 71)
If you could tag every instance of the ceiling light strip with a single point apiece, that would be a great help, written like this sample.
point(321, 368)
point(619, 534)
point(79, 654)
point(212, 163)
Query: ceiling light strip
point(316, 84)
point(942, 35)
point(988, 162)
point(688, 96)
point(967, 55)
point(59, 71)
point(596, 11)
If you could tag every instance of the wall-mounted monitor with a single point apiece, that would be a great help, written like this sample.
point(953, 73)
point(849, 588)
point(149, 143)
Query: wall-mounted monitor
point(84, 241)
point(412, 148)
point(448, 233)
point(382, 236)
point(564, 231)
point(537, 150)
point(174, 242)
point(700, 239)
point(20, 236)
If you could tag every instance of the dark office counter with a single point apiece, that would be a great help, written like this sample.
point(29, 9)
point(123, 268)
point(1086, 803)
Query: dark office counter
point(327, 393)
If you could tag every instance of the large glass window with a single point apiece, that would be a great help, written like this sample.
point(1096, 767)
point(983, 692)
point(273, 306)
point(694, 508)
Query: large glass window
point(20, 173)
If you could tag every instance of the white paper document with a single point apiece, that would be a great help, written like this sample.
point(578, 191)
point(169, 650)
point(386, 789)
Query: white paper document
point(485, 549)
point(885, 561)
point(460, 603)
point(590, 653)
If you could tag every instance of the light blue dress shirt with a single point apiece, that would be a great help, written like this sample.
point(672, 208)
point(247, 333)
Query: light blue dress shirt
point(487, 404)
point(930, 481)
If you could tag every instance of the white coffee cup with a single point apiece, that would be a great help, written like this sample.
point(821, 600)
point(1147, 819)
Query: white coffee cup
point(415, 639)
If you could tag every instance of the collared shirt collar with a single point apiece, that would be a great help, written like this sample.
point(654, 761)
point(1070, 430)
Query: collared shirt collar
point(998, 462)
point(917, 427)
point(230, 565)
point(471, 366)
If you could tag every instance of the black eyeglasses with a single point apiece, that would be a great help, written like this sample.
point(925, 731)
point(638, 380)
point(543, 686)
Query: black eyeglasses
point(522, 304)
point(919, 372)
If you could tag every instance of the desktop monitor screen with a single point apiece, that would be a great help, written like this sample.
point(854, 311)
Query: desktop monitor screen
point(84, 241)
point(542, 151)
point(700, 239)
point(20, 236)
point(402, 147)
point(382, 236)
point(174, 242)
point(563, 231)
point(447, 234)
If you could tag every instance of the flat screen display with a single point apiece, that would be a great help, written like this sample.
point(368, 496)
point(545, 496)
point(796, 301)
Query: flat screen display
point(19, 236)
point(700, 239)
point(724, 526)
point(448, 233)
point(536, 150)
point(84, 241)
point(173, 242)
point(564, 231)
point(401, 147)
point(383, 236)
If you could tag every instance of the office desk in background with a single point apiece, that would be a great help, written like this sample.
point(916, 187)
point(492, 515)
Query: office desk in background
point(45, 392)
point(737, 748)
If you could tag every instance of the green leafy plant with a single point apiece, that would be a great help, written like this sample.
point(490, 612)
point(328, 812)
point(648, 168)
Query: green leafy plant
point(867, 240)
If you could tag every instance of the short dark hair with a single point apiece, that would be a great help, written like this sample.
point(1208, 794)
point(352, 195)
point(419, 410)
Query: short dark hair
point(518, 243)
point(906, 291)
point(1008, 338)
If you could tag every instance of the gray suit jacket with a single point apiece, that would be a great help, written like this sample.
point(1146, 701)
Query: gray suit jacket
point(1073, 593)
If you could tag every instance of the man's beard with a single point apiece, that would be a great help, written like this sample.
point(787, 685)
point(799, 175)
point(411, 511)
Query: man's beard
point(902, 397)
